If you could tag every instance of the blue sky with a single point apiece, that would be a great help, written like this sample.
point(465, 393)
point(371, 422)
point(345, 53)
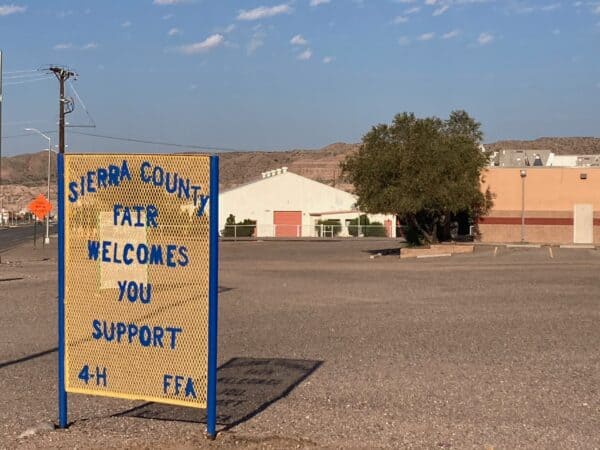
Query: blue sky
point(269, 74)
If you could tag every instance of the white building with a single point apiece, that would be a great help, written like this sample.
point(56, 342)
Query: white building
point(285, 204)
point(574, 160)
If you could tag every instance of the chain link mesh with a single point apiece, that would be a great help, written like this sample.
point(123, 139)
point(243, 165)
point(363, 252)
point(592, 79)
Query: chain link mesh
point(140, 365)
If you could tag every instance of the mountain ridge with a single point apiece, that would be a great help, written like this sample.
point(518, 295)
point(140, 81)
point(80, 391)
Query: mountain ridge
point(24, 176)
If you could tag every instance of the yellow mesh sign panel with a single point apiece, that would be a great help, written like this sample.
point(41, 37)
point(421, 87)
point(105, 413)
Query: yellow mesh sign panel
point(137, 276)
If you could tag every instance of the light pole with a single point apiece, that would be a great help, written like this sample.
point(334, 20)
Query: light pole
point(47, 238)
point(523, 175)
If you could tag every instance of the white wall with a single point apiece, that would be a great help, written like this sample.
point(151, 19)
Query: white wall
point(284, 192)
point(563, 161)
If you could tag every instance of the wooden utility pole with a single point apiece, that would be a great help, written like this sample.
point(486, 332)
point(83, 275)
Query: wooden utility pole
point(62, 74)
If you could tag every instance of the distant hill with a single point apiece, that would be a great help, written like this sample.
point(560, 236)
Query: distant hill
point(29, 169)
point(321, 165)
point(557, 145)
point(24, 176)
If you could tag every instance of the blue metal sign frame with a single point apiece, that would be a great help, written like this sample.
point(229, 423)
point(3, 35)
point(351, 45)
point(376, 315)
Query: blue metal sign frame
point(213, 301)
point(211, 406)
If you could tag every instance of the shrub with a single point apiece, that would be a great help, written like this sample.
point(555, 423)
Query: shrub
point(245, 228)
point(367, 228)
point(375, 229)
point(353, 225)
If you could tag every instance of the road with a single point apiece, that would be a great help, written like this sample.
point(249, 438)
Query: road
point(321, 346)
point(9, 237)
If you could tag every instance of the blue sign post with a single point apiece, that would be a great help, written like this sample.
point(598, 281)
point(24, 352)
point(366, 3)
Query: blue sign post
point(211, 407)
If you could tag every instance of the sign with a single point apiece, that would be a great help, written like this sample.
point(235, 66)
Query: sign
point(138, 237)
point(40, 207)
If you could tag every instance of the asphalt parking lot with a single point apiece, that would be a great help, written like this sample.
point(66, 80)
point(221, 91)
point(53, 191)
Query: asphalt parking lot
point(489, 350)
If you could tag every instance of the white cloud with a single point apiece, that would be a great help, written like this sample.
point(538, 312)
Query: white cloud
point(327, 59)
point(400, 19)
point(204, 46)
point(552, 7)
point(63, 14)
point(523, 8)
point(441, 10)
point(451, 34)
point(319, 2)
point(169, 2)
point(485, 38)
point(413, 10)
point(168, 16)
point(173, 32)
point(426, 36)
point(7, 10)
point(263, 12)
point(126, 24)
point(298, 40)
point(229, 28)
point(403, 41)
point(305, 55)
point(70, 46)
point(257, 41)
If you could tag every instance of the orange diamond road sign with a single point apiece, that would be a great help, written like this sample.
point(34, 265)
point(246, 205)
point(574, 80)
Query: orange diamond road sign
point(40, 206)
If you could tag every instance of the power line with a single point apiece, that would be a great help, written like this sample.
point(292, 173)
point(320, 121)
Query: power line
point(91, 119)
point(21, 71)
point(25, 122)
point(14, 83)
point(27, 134)
point(136, 140)
point(166, 144)
point(23, 76)
point(33, 73)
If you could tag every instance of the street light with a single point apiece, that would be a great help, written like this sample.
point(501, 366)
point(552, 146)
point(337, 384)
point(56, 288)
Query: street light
point(35, 130)
point(523, 175)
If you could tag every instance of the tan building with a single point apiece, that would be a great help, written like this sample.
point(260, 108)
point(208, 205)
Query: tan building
point(561, 205)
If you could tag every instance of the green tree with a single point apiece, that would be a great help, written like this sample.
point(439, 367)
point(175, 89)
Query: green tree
point(425, 170)
point(240, 229)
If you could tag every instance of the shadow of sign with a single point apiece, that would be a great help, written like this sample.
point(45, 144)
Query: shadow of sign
point(384, 251)
point(246, 387)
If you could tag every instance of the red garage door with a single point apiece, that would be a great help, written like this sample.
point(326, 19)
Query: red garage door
point(287, 223)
